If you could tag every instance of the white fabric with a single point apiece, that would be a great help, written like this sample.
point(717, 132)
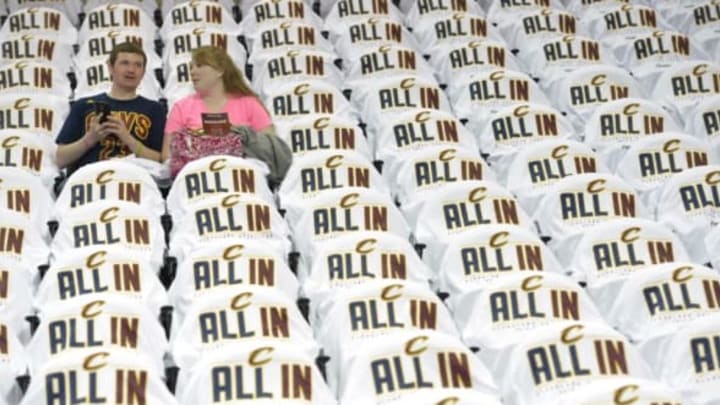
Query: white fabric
point(477, 97)
point(537, 27)
point(106, 223)
point(617, 25)
point(561, 56)
point(168, 5)
point(663, 300)
point(281, 38)
point(651, 162)
point(228, 215)
point(388, 369)
point(448, 396)
point(607, 253)
point(111, 322)
point(455, 61)
point(119, 18)
point(213, 176)
point(41, 48)
point(332, 214)
point(107, 375)
point(24, 193)
point(31, 153)
point(216, 323)
point(462, 206)
point(358, 258)
point(448, 30)
point(578, 202)
point(561, 358)
point(712, 245)
point(514, 306)
point(198, 14)
point(216, 267)
point(182, 41)
point(385, 61)
point(41, 115)
point(689, 204)
point(622, 390)
point(579, 93)
point(318, 172)
point(178, 83)
point(406, 133)
point(343, 13)
point(323, 132)
point(70, 8)
point(364, 34)
point(96, 273)
point(372, 312)
point(504, 11)
point(418, 12)
point(616, 125)
point(581, 8)
point(704, 121)
point(149, 7)
point(517, 127)
point(267, 13)
point(35, 77)
point(681, 87)
point(16, 296)
point(297, 66)
point(14, 360)
point(314, 97)
point(266, 373)
point(417, 174)
point(112, 180)
point(395, 94)
point(536, 168)
point(475, 259)
point(20, 241)
point(687, 360)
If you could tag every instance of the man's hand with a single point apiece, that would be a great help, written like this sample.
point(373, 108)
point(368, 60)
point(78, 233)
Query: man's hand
point(95, 132)
point(117, 127)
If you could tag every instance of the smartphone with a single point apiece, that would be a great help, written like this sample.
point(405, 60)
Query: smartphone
point(102, 110)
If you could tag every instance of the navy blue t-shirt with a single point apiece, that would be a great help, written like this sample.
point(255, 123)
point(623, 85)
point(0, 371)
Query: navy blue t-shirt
point(145, 119)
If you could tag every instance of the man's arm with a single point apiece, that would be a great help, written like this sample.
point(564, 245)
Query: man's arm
point(70, 152)
point(117, 127)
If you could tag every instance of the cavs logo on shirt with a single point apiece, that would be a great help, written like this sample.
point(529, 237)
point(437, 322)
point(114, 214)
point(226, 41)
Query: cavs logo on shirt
point(569, 48)
point(84, 193)
point(703, 194)
point(232, 216)
point(23, 156)
point(560, 164)
point(381, 313)
point(350, 215)
point(670, 159)
point(192, 12)
point(303, 101)
point(385, 59)
point(697, 82)
point(134, 231)
point(332, 175)
point(271, 10)
point(708, 13)
point(632, 251)
point(661, 44)
point(593, 202)
point(294, 64)
point(20, 76)
point(525, 123)
point(631, 122)
point(500, 87)
point(285, 35)
point(361, 7)
point(374, 30)
point(461, 26)
point(598, 90)
point(34, 19)
point(422, 131)
point(23, 115)
point(410, 95)
point(524, 303)
point(366, 261)
point(235, 322)
point(28, 47)
point(501, 255)
point(478, 53)
point(478, 209)
point(705, 351)
point(544, 22)
point(672, 298)
point(628, 17)
point(233, 268)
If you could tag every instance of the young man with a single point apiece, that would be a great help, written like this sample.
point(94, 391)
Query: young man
point(135, 124)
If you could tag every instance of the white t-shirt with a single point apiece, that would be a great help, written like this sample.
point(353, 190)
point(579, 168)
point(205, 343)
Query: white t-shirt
point(168, 5)
point(478, 96)
point(417, 174)
point(70, 8)
point(454, 62)
point(227, 215)
point(323, 132)
point(101, 376)
point(537, 27)
point(449, 30)
point(651, 162)
point(663, 300)
point(296, 99)
point(109, 180)
point(372, 312)
point(439, 396)
point(385, 61)
point(149, 7)
point(14, 360)
point(368, 374)
point(700, 19)
point(365, 34)
point(505, 11)
point(31, 153)
point(218, 322)
point(198, 14)
point(537, 167)
point(105, 223)
point(623, 390)
point(560, 56)
point(704, 121)
point(89, 322)
point(475, 259)
point(418, 12)
point(16, 296)
point(686, 359)
point(689, 204)
point(348, 261)
point(297, 66)
point(95, 273)
point(232, 263)
point(560, 358)
point(579, 93)
point(43, 20)
point(340, 14)
point(34, 77)
point(264, 373)
point(212, 176)
point(281, 38)
point(615, 26)
point(20, 241)
point(514, 306)
point(25, 194)
point(39, 115)
point(616, 125)
point(120, 18)
point(681, 87)
point(261, 14)
point(578, 202)
point(332, 214)
point(581, 8)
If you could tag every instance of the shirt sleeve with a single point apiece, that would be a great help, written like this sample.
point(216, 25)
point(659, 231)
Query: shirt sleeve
point(175, 118)
point(74, 126)
point(257, 115)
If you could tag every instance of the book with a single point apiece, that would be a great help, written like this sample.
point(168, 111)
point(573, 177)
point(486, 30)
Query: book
point(216, 124)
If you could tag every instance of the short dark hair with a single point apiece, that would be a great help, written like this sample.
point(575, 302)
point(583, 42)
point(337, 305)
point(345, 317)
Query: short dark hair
point(126, 47)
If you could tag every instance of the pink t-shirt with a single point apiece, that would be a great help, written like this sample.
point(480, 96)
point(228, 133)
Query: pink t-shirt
point(242, 110)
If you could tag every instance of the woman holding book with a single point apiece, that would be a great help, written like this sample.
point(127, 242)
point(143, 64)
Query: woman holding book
point(220, 90)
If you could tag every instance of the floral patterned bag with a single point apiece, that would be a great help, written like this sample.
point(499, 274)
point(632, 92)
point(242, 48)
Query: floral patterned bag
point(187, 145)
